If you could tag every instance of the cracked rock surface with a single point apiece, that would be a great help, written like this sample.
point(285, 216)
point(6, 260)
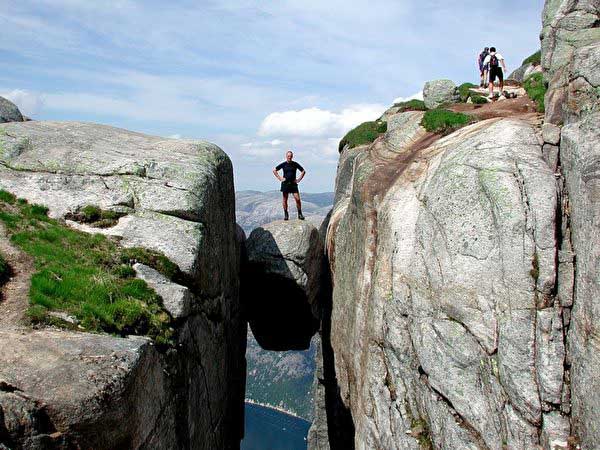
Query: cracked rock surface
point(64, 389)
point(571, 57)
point(446, 326)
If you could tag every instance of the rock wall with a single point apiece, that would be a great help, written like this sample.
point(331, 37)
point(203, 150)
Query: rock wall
point(571, 59)
point(466, 272)
point(69, 389)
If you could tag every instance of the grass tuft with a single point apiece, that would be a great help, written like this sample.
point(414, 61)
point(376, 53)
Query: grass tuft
point(536, 87)
point(464, 91)
point(535, 59)
point(95, 216)
point(478, 99)
point(411, 105)
point(88, 276)
point(365, 133)
point(7, 197)
point(444, 121)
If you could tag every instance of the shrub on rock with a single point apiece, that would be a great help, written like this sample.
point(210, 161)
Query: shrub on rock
point(536, 89)
point(365, 133)
point(444, 121)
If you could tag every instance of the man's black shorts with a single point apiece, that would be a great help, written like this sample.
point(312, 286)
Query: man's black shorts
point(496, 72)
point(289, 187)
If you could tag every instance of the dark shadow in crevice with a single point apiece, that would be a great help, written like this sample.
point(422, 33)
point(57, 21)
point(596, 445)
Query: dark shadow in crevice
point(340, 425)
point(278, 311)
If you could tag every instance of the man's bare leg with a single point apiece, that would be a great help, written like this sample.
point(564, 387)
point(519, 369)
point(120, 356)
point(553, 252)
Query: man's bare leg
point(285, 206)
point(298, 205)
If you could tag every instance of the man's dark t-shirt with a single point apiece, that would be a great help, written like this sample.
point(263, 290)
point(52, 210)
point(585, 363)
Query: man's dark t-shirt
point(289, 169)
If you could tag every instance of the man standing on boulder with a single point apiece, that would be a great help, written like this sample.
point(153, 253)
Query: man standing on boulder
point(289, 183)
point(493, 61)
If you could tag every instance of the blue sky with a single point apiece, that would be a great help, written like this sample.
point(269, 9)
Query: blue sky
point(256, 78)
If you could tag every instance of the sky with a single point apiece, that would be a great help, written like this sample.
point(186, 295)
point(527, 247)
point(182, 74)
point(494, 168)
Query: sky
point(255, 77)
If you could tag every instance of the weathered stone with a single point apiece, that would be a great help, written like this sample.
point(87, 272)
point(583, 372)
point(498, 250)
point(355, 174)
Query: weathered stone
point(551, 133)
point(9, 111)
point(439, 92)
point(550, 153)
point(284, 275)
point(436, 270)
point(550, 354)
point(555, 432)
point(176, 298)
point(522, 73)
point(178, 198)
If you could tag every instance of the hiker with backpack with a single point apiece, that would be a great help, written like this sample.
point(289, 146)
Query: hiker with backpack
point(493, 62)
point(483, 71)
point(289, 183)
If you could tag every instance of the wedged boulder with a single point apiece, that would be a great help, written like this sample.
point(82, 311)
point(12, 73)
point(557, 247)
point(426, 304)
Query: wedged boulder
point(439, 92)
point(281, 284)
point(97, 391)
point(9, 112)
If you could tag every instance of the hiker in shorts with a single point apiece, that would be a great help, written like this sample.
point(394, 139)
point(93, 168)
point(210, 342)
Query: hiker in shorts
point(493, 61)
point(483, 70)
point(289, 183)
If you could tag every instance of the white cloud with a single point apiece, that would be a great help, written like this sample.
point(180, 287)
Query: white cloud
point(29, 103)
point(276, 142)
point(318, 122)
point(417, 96)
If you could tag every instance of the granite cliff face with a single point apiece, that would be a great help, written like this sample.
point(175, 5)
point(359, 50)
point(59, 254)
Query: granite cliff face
point(68, 389)
point(571, 59)
point(465, 273)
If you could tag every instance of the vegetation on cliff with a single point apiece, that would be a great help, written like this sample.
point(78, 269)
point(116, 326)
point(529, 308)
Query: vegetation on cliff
point(365, 133)
point(536, 89)
point(87, 276)
point(411, 105)
point(534, 59)
point(444, 121)
point(464, 90)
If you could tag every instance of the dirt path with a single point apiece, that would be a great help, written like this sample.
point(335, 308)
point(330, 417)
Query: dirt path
point(520, 108)
point(14, 295)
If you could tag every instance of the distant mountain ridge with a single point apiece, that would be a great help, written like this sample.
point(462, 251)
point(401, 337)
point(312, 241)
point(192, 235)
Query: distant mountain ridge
point(255, 208)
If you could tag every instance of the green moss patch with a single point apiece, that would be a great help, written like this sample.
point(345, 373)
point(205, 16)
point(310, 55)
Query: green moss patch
point(444, 121)
point(478, 99)
point(411, 105)
point(96, 217)
point(87, 276)
point(464, 91)
point(535, 59)
point(536, 89)
point(365, 133)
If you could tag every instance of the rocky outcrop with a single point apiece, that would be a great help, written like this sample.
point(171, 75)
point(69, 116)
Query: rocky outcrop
point(446, 325)
point(568, 27)
point(570, 55)
point(9, 111)
point(282, 284)
point(439, 92)
point(92, 391)
point(522, 73)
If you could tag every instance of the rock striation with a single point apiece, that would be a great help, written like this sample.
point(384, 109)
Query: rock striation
point(445, 324)
point(282, 282)
point(570, 56)
point(9, 111)
point(66, 389)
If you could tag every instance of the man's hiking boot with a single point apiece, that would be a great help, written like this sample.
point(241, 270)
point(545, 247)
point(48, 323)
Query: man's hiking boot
point(286, 216)
point(300, 216)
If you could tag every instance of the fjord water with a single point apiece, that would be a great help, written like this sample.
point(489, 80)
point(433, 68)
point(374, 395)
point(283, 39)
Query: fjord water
point(269, 429)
